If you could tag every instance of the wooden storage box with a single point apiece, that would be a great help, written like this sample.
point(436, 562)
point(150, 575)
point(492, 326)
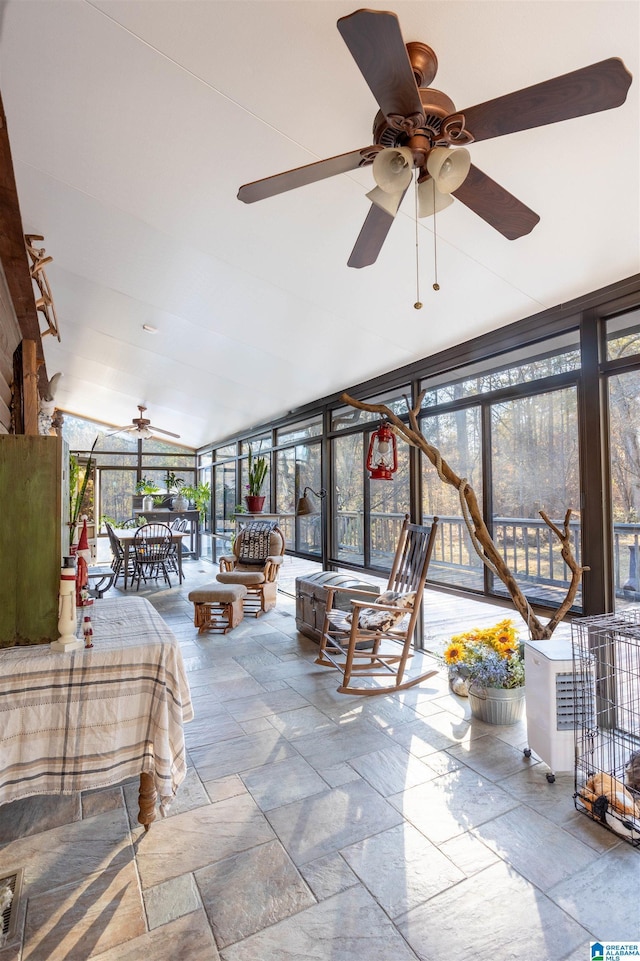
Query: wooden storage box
point(311, 598)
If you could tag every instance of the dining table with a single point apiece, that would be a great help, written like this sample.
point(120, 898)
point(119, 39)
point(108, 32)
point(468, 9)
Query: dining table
point(126, 536)
point(93, 717)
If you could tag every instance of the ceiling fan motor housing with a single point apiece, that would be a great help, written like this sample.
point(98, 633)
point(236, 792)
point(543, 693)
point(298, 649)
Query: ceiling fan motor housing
point(437, 107)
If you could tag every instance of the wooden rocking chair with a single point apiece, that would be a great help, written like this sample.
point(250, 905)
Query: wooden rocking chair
point(376, 639)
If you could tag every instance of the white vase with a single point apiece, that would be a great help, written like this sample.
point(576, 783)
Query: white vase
point(180, 503)
point(147, 503)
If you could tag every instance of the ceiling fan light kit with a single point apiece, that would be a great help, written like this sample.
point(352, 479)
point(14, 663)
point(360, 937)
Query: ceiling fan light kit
point(430, 200)
point(424, 122)
point(449, 168)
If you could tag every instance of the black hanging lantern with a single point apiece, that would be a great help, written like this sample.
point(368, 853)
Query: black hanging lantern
point(382, 458)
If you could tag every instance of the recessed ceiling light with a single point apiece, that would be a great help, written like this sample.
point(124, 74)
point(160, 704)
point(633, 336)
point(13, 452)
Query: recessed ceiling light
point(150, 329)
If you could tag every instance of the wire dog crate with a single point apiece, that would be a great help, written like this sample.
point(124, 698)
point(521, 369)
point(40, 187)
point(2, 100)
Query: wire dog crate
point(606, 660)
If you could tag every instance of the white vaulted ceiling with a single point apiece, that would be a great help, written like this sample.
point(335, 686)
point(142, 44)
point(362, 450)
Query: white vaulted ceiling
point(132, 125)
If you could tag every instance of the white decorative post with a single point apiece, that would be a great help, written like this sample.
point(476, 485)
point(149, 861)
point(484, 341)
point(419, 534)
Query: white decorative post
point(67, 609)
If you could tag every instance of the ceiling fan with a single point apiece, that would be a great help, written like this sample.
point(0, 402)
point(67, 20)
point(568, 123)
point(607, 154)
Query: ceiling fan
point(418, 127)
point(142, 427)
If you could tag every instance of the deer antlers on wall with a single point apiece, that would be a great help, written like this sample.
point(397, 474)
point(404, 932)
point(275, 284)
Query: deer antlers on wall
point(44, 303)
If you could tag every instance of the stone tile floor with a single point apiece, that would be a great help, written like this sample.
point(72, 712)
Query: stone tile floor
point(314, 825)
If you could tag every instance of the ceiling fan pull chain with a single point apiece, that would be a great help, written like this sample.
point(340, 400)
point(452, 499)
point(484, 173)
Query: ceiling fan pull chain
point(436, 285)
point(417, 304)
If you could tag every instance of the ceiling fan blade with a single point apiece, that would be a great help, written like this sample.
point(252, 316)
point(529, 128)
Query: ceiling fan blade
point(495, 205)
point(118, 430)
point(158, 430)
point(600, 86)
point(311, 173)
point(375, 42)
point(371, 237)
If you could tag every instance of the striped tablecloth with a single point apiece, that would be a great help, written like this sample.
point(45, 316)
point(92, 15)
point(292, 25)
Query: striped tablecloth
point(91, 718)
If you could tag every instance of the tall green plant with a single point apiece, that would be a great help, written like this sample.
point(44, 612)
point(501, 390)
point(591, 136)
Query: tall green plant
point(258, 468)
point(200, 495)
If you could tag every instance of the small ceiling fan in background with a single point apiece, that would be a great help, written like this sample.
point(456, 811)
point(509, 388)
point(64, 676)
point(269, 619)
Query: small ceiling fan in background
point(142, 427)
point(418, 127)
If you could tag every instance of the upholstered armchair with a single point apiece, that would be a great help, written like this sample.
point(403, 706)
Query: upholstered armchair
point(257, 556)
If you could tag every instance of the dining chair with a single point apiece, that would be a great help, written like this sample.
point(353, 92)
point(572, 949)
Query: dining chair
point(180, 524)
point(152, 546)
point(117, 553)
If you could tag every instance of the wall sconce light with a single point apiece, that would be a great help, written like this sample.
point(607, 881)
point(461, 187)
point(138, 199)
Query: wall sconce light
point(382, 458)
point(306, 505)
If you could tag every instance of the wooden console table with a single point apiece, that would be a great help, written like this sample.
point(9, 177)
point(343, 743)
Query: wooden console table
point(95, 717)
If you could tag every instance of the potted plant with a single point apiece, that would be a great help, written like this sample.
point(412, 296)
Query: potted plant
point(257, 468)
point(147, 487)
point(200, 495)
point(174, 487)
point(490, 663)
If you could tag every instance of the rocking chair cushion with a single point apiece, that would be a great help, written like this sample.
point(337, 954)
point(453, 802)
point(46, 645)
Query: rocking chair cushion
point(372, 620)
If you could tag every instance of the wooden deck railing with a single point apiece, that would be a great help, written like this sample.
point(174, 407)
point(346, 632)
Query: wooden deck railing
point(527, 545)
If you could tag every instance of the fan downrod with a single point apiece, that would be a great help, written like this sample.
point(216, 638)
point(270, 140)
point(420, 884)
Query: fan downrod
point(424, 62)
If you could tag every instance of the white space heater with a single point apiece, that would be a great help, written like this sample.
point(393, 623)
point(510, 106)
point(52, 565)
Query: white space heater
point(551, 699)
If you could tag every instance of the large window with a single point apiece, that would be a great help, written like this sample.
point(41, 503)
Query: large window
point(348, 493)
point(225, 497)
point(534, 467)
point(457, 435)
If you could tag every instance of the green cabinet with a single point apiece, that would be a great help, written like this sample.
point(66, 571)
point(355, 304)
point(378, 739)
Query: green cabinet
point(33, 514)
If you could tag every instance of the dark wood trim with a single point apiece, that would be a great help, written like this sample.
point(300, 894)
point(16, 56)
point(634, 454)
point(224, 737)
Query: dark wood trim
point(13, 253)
point(596, 529)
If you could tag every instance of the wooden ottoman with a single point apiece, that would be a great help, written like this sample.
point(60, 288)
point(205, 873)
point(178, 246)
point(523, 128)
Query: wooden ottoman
point(218, 607)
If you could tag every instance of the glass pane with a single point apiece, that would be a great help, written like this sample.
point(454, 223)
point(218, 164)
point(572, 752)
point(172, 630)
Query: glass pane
point(291, 434)
point(205, 460)
point(80, 435)
point(224, 452)
point(532, 362)
point(458, 438)
point(206, 541)
point(535, 466)
point(348, 476)
point(116, 494)
point(286, 492)
point(256, 445)
point(623, 335)
point(116, 460)
point(309, 527)
point(389, 502)
point(225, 499)
point(173, 461)
point(155, 445)
point(347, 416)
point(624, 441)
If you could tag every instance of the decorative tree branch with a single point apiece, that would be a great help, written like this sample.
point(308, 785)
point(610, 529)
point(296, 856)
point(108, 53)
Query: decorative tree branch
point(480, 537)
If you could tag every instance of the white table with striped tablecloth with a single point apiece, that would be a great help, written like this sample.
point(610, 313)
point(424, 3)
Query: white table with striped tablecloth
point(76, 721)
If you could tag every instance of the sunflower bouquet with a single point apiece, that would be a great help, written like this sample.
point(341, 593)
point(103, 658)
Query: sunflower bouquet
point(487, 657)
